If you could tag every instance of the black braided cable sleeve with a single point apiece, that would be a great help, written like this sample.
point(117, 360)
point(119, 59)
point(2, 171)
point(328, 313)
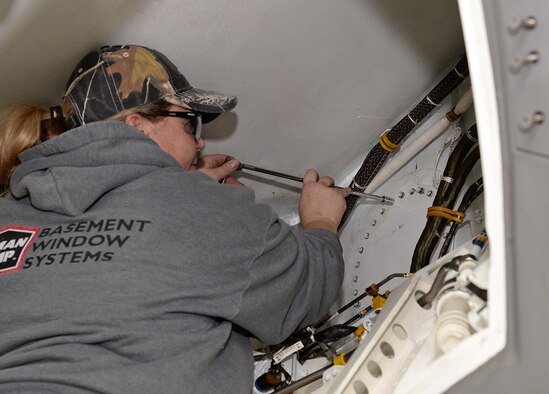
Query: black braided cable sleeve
point(435, 225)
point(377, 156)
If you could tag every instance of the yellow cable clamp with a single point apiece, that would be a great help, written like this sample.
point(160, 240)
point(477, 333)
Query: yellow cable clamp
point(378, 302)
point(340, 360)
point(373, 290)
point(446, 213)
point(359, 331)
point(386, 143)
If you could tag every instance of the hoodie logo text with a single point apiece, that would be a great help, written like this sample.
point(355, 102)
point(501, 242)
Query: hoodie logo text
point(14, 243)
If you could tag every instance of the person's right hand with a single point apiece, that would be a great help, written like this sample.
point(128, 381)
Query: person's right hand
point(320, 205)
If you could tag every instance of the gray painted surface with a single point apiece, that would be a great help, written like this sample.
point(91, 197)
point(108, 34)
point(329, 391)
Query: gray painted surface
point(522, 366)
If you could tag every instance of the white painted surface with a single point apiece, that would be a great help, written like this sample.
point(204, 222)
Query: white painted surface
point(317, 80)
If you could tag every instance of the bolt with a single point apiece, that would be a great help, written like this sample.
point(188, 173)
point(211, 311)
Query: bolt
point(527, 23)
point(400, 194)
point(522, 60)
point(527, 122)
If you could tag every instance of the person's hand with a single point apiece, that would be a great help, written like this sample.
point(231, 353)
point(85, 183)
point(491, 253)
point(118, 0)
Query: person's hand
point(217, 167)
point(320, 205)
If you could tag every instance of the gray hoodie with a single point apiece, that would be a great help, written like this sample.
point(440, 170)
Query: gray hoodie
point(123, 273)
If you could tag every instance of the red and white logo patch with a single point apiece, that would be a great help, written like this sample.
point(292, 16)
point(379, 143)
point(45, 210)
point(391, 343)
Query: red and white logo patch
point(14, 243)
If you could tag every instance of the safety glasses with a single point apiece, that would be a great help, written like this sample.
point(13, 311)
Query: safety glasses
point(193, 127)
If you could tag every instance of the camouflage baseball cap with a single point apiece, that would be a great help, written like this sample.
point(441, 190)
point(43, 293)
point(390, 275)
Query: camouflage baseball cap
point(117, 78)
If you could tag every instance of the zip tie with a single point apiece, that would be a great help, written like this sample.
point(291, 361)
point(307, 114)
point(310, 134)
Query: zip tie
point(468, 134)
point(452, 115)
point(355, 183)
point(458, 73)
point(446, 213)
point(431, 101)
point(413, 121)
point(447, 179)
point(386, 143)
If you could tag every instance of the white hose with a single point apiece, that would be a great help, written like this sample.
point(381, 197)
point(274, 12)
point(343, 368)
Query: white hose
point(416, 146)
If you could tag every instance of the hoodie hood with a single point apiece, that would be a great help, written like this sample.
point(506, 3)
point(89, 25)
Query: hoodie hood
point(69, 173)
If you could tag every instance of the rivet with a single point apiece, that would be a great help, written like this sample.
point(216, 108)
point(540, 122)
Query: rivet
point(420, 190)
point(360, 250)
point(400, 194)
point(429, 193)
point(357, 264)
point(355, 292)
point(367, 235)
point(357, 305)
point(382, 211)
point(374, 222)
point(412, 191)
point(355, 278)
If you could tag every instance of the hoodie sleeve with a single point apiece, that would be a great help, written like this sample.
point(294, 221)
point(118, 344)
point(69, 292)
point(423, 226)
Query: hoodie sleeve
point(292, 282)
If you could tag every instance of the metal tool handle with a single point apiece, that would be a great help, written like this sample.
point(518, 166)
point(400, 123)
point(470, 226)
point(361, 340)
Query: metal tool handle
point(382, 199)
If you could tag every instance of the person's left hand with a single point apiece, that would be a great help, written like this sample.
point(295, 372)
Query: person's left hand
point(217, 167)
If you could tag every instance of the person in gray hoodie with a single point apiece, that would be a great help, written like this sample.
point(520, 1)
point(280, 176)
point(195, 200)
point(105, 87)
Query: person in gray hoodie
point(127, 267)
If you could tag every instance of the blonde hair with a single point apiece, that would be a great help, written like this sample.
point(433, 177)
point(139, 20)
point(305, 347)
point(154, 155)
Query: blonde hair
point(22, 126)
point(19, 130)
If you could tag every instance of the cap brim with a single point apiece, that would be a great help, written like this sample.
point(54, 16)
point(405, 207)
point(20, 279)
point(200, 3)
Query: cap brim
point(206, 101)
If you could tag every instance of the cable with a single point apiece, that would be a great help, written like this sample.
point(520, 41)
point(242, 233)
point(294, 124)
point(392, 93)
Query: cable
point(371, 290)
point(342, 359)
point(438, 283)
point(378, 155)
point(459, 165)
point(470, 195)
